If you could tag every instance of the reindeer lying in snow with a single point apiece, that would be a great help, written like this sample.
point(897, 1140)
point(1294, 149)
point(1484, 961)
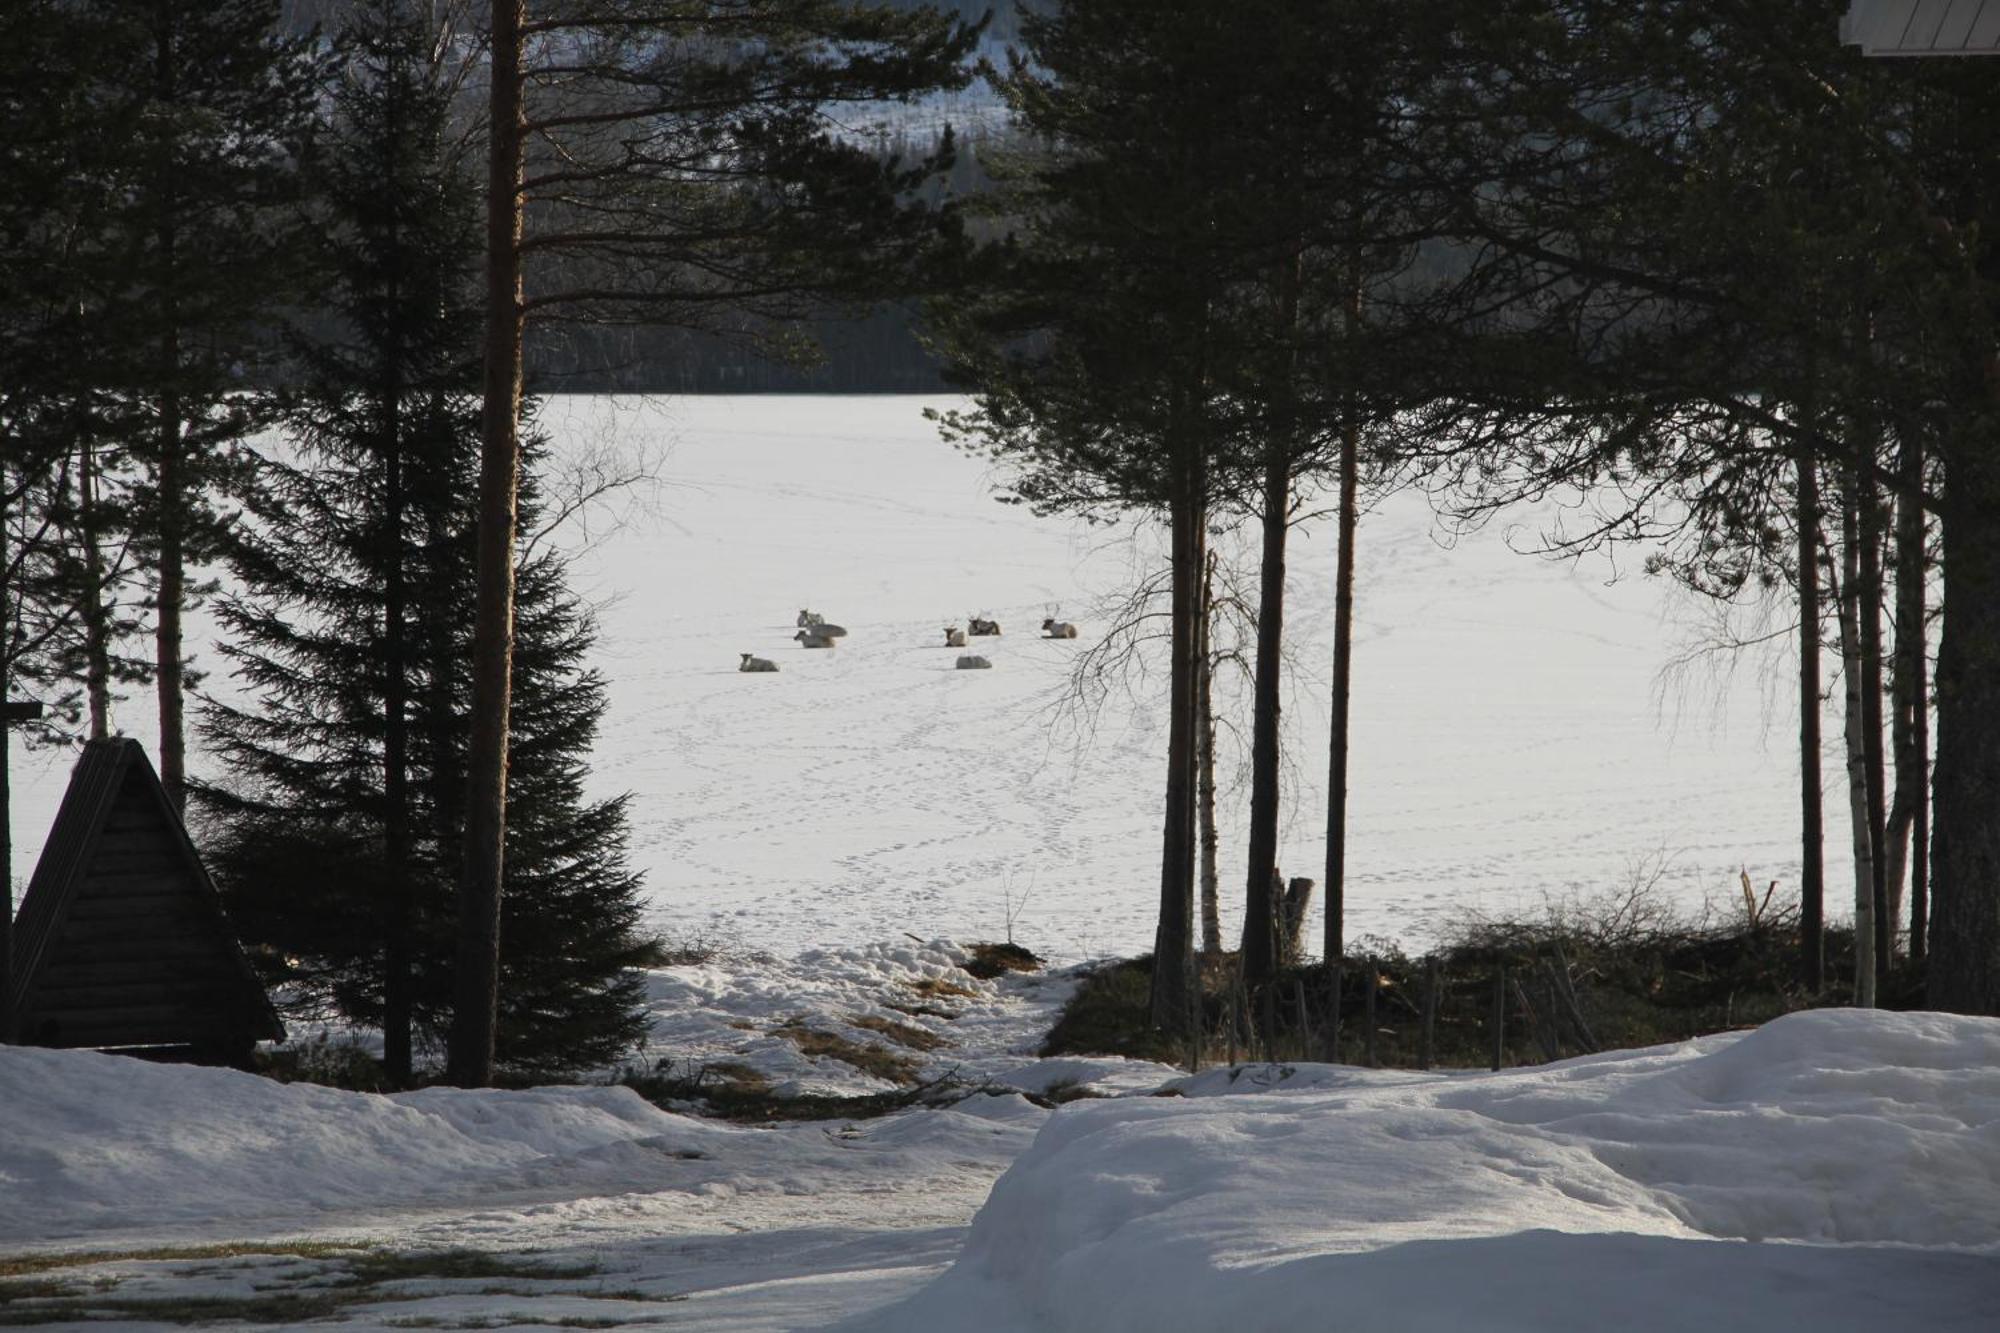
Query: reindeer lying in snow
point(815, 622)
point(757, 664)
point(1058, 629)
point(980, 627)
point(812, 638)
point(973, 662)
point(954, 637)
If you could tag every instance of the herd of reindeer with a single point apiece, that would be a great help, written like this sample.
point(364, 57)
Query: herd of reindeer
point(816, 631)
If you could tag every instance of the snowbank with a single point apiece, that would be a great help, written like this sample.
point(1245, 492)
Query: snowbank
point(1614, 1191)
point(99, 1146)
point(89, 1141)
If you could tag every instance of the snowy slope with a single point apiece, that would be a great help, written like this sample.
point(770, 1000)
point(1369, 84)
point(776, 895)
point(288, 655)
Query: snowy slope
point(1513, 740)
point(1833, 1171)
point(1836, 1171)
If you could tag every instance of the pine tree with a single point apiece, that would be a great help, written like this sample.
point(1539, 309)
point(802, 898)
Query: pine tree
point(208, 107)
point(338, 832)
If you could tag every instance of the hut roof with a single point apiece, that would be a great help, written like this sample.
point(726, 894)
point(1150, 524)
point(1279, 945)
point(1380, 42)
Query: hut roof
point(121, 938)
point(1923, 27)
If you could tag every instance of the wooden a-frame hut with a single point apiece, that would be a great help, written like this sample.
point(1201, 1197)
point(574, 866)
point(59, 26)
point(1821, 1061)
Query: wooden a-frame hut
point(121, 942)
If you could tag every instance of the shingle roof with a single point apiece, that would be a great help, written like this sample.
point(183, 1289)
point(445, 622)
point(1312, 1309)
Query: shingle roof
point(1923, 27)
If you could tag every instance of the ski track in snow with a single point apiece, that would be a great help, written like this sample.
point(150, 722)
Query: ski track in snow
point(1513, 742)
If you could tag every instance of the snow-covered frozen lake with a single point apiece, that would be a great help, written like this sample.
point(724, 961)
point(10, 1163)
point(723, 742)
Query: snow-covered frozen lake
point(1516, 735)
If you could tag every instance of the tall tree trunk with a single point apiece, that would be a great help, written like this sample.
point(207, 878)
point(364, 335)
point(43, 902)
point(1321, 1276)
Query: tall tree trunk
point(1259, 927)
point(167, 634)
point(1260, 902)
point(1963, 972)
point(1812, 869)
point(1211, 873)
point(1857, 750)
point(1920, 829)
point(6, 788)
point(1335, 945)
point(170, 484)
point(398, 1018)
point(1910, 697)
point(476, 989)
point(1175, 994)
point(1870, 606)
point(96, 616)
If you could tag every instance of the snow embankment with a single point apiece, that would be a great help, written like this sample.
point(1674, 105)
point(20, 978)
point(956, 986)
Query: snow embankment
point(99, 1146)
point(1617, 1191)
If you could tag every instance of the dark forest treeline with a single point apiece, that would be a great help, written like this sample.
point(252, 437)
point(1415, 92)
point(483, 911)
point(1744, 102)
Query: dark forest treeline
point(880, 352)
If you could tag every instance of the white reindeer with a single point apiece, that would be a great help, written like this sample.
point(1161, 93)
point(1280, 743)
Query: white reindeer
point(973, 662)
point(981, 627)
point(812, 638)
point(757, 664)
point(954, 637)
point(814, 621)
point(1058, 629)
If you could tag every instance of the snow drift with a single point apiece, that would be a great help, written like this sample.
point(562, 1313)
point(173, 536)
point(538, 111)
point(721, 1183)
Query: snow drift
point(100, 1146)
point(1616, 1191)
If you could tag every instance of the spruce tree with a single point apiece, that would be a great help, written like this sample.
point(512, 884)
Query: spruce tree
point(664, 164)
point(338, 830)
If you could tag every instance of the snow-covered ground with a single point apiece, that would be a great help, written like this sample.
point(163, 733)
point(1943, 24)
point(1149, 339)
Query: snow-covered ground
point(1515, 740)
point(1834, 1171)
point(831, 829)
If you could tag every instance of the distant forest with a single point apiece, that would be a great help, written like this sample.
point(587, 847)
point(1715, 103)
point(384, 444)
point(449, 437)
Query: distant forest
point(876, 352)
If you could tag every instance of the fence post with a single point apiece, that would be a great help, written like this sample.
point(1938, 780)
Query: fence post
point(1427, 1052)
point(1333, 972)
point(1369, 980)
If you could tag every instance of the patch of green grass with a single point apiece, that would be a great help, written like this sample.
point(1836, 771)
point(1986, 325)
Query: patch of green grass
point(285, 1308)
point(353, 1275)
point(937, 988)
point(919, 1010)
point(516, 1319)
point(762, 1106)
point(35, 1289)
point(1110, 1015)
point(903, 1034)
point(736, 1075)
point(18, 1265)
point(1064, 1091)
point(879, 1061)
point(990, 960)
point(378, 1266)
point(1603, 979)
